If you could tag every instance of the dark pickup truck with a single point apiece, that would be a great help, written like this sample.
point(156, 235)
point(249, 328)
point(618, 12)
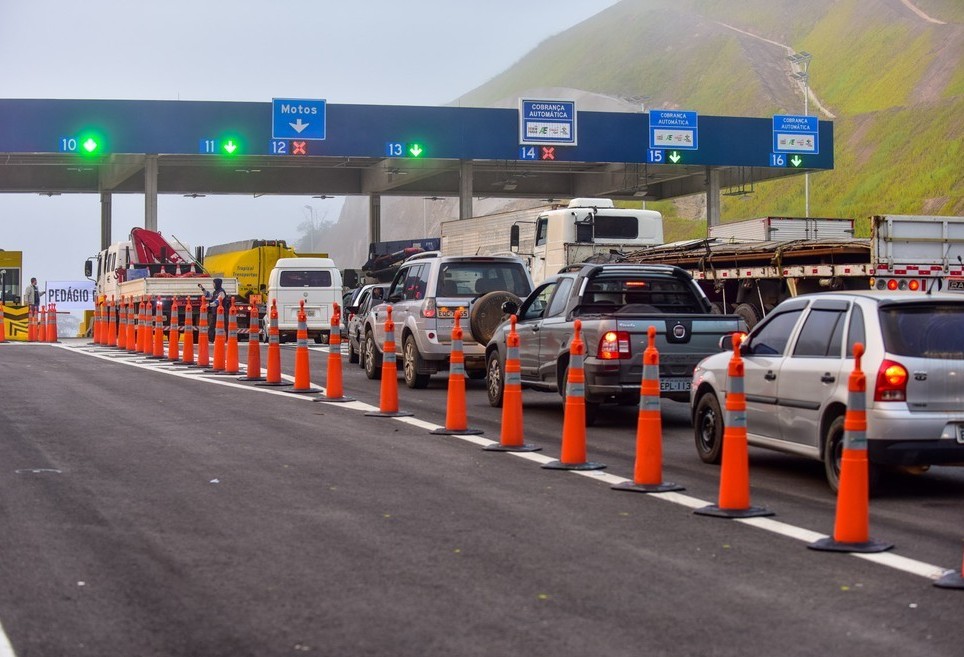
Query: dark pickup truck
point(617, 303)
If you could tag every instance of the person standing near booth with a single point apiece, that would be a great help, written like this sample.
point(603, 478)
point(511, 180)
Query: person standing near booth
point(32, 294)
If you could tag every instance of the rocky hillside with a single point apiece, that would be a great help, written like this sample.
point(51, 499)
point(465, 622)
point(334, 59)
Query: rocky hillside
point(887, 72)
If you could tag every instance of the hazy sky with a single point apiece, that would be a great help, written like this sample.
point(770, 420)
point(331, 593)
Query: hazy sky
point(386, 52)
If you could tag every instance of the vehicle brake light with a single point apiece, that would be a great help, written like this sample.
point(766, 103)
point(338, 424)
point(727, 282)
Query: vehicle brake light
point(428, 307)
point(914, 285)
point(891, 382)
point(614, 345)
point(892, 284)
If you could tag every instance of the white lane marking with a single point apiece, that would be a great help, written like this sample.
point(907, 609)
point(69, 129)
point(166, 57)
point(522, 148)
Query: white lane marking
point(6, 650)
point(889, 559)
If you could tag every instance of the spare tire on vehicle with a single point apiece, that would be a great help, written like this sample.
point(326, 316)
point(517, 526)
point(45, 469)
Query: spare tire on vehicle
point(486, 314)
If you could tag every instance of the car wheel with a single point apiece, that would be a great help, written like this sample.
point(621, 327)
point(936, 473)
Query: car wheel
point(833, 445)
point(708, 428)
point(412, 361)
point(371, 357)
point(352, 354)
point(592, 408)
point(495, 380)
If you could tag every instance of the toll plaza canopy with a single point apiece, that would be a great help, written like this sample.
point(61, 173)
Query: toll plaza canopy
point(311, 147)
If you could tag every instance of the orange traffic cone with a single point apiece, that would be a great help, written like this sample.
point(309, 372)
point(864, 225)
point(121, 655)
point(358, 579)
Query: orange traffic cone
point(851, 530)
point(187, 357)
point(173, 335)
point(456, 422)
point(334, 386)
point(388, 399)
point(98, 332)
point(52, 323)
point(574, 419)
point(42, 326)
point(302, 361)
point(510, 439)
point(217, 364)
point(145, 326)
point(158, 351)
point(111, 340)
point(648, 471)
point(254, 346)
point(122, 323)
point(129, 327)
point(734, 498)
point(203, 351)
point(274, 350)
point(951, 579)
point(3, 325)
point(231, 363)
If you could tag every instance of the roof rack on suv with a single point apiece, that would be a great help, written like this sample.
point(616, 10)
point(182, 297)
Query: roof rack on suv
point(423, 255)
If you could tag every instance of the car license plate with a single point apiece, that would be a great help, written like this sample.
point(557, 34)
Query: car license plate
point(956, 284)
point(960, 433)
point(675, 385)
point(309, 312)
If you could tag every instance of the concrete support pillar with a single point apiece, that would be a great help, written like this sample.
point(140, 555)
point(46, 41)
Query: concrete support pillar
point(465, 189)
point(150, 192)
point(712, 197)
point(375, 218)
point(105, 219)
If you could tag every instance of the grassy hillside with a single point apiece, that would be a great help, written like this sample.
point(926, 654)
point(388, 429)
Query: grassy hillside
point(892, 78)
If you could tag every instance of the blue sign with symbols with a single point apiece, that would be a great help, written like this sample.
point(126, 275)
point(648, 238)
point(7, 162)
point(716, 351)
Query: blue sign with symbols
point(796, 134)
point(547, 122)
point(673, 130)
point(300, 119)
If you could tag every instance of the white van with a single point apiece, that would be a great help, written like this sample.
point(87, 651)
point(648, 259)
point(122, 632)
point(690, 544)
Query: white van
point(317, 282)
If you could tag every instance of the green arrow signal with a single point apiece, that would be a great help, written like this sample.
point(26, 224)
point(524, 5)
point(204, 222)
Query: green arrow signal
point(230, 147)
point(796, 161)
point(674, 157)
point(415, 150)
point(90, 145)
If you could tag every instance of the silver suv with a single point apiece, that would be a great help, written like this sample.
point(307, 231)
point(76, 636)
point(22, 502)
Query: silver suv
point(797, 363)
point(424, 295)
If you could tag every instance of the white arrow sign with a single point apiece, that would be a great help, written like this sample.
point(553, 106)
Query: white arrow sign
point(299, 125)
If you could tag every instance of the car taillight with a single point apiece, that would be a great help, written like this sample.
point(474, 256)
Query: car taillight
point(614, 345)
point(891, 382)
point(428, 307)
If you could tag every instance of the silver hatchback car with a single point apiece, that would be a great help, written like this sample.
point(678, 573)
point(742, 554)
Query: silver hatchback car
point(796, 367)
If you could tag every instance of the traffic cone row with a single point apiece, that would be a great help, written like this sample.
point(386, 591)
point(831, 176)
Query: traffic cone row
point(511, 438)
point(648, 470)
point(456, 422)
point(851, 531)
point(574, 417)
point(388, 398)
point(734, 497)
point(302, 363)
point(334, 386)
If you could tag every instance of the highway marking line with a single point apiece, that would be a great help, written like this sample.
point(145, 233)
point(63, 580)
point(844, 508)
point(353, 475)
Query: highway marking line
point(6, 650)
point(889, 559)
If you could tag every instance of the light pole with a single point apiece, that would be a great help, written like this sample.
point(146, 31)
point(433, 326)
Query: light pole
point(311, 228)
point(802, 60)
point(424, 213)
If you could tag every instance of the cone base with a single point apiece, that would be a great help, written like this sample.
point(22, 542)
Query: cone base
point(442, 431)
point(951, 580)
point(559, 465)
point(213, 371)
point(223, 372)
point(496, 447)
point(251, 378)
point(663, 487)
point(335, 400)
point(749, 512)
point(389, 414)
point(303, 391)
point(830, 545)
point(275, 383)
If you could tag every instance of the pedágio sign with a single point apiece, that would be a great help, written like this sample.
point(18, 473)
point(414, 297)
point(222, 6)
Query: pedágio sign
point(70, 295)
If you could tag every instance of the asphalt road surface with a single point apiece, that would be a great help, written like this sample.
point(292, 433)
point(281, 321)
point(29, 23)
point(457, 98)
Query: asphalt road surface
point(153, 511)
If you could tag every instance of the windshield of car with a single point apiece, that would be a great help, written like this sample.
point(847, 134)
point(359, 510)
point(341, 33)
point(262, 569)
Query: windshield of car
point(924, 330)
point(474, 278)
point(633, 293)
point(305, 278)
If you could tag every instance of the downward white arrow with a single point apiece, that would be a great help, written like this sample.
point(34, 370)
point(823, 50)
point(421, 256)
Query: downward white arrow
point(299, 126)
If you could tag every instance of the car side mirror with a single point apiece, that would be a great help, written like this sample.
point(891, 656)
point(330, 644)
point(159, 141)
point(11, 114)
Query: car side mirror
point(726, 342)
point(510, 307)
point(88, 268)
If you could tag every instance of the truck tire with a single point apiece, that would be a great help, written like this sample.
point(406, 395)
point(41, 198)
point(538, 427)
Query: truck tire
point(749, 313)
point(371, 357)
point(412, 363)
point(708, 428)
point(486, 314)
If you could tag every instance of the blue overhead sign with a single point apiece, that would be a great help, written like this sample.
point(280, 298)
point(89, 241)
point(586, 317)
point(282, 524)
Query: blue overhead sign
point(673, 130)
point(796, 134)
point(293, 118)
point(547, 122)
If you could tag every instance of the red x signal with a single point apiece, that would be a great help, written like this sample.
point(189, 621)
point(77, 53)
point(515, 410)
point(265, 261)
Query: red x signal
point(299, 148)
point(548, 153)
